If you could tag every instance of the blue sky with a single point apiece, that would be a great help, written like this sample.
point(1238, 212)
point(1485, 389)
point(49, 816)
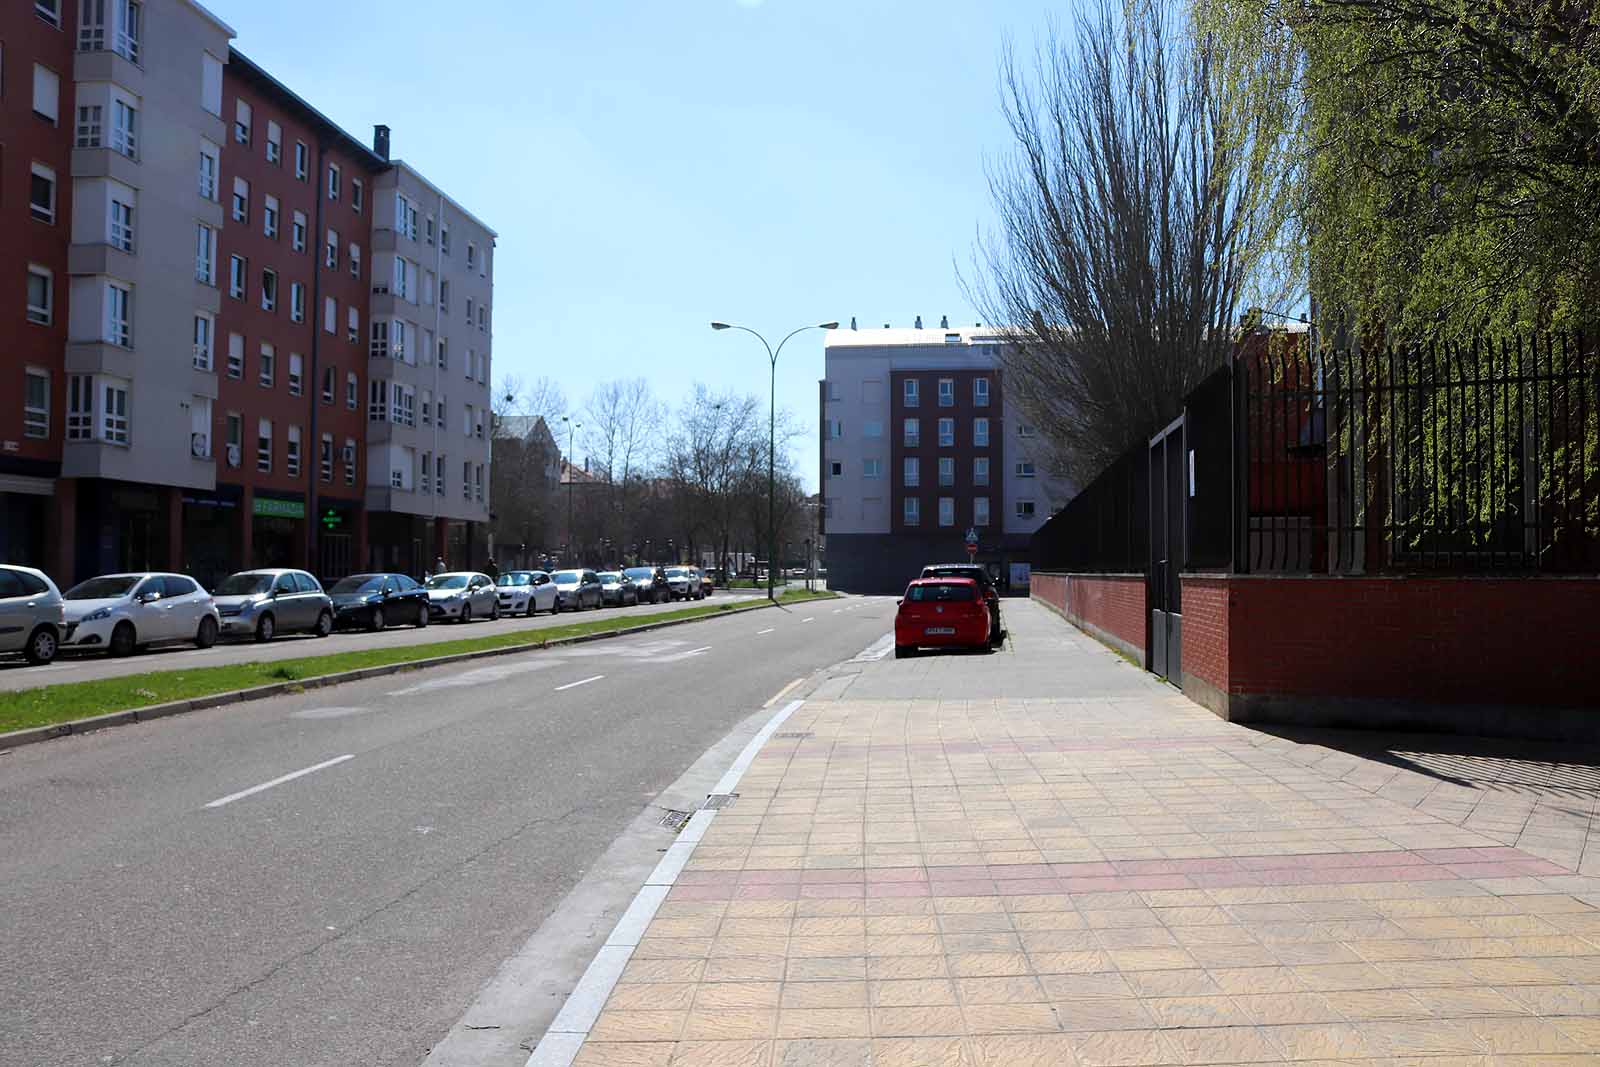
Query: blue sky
point(651, 165)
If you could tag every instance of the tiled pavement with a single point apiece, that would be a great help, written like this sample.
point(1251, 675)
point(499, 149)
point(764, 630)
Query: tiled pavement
point(1084, 868)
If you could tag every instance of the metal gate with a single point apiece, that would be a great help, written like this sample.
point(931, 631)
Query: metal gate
point(1167, 525)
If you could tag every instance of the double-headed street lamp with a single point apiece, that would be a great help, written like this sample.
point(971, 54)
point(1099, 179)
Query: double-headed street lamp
point(772, 436)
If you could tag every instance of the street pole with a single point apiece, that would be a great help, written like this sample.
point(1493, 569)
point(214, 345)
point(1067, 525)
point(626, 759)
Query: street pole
point(571, 426)
point(772, 437)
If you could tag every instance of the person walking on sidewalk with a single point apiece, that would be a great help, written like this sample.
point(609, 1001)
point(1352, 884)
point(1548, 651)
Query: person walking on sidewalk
point(492, 569)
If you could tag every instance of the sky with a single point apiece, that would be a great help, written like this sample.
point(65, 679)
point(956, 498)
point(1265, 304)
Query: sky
point(652, 165)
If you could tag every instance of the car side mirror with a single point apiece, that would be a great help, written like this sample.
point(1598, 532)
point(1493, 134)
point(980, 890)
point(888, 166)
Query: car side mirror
point(899, 603)
point(149, 598)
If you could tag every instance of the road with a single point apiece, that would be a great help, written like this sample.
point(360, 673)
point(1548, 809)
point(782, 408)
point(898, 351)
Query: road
point(331, 877)
point(85, 667)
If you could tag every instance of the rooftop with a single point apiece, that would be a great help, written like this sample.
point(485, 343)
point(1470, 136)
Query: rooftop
point(911, 335)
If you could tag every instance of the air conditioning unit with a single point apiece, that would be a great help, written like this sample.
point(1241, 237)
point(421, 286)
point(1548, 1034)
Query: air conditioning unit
point(233, 455)
point(349, 453)
point(199, 445)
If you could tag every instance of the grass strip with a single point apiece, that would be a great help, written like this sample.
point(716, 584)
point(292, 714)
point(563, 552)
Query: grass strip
point(66, 701)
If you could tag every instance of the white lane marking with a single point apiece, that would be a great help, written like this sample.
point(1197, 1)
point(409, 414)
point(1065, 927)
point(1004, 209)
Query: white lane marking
point(291, 776)
point(329, 713)
point(574, 685)
point(875, 651)
point(478, 676)
point(768, 630)
point(780, 694)
point(809, 618)
point(837, 610)
point(697, 651)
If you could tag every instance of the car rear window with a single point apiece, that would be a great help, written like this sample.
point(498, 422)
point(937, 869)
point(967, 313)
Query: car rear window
point(11, 584)
point(942, 592)
point(176, 586)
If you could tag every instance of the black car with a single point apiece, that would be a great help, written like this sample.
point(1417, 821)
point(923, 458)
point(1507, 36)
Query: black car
point(650, 583)
point(980, 574)
point(376, 600)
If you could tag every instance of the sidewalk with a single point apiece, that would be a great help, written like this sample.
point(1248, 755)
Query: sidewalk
point(1046, 857)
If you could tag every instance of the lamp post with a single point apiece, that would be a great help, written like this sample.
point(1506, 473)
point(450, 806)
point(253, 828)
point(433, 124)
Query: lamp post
point(772, 434)
point(571, 427)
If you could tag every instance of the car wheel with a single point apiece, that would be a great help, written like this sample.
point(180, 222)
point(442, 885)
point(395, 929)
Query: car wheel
point(265, 628)
point(206, 636)
point(422, 616)
point(324, 624)
point(466, 614)
point(494, 612)
point(904, 651)
point(123, 640)
point(376, 621)
point(41, 648)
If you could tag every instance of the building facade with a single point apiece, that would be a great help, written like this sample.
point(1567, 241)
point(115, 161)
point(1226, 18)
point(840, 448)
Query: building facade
point(918, 449)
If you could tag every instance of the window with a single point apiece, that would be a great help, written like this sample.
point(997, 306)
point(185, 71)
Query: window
point(912, 433)
point(46, 93)
point(872, 468)
point(911, 511)
point(468, 366)
point(49, 10)
point(204, 330)
point(947, 470)
point(438, 467)
point(980, 470)
point(125, 40)
point(274, 142)
point(483, 318)
point(42, 193)
point(205, 255)
point(125, 128)
point(353, 325)
point(233, 426)
point(980, 432)
point(291, 457)
point(980, 392)
point(211, 84)
point(398, 347)
point(377, 402)
point(835, 429)
point(1025, 509)
point(330, 315)
point(444, 294)
point(980, 511)
point(836, 469)
point(91, 125)
point(469, 311)
point(80, 407)
point(119, 315)
point(241, 200)
point(297, 302)
point(269, 289)
point(947, 433)
point(379, 346)
point(350, 462)
point(35, 403)
point(325, 458)
point(871, 428)
point(268, 372)
point(947, 392)
point(947, 511)
point(41, 295)
point(833, 390)
point(241, 122)
point(269, 217)
point(405, 216)
point(477, 482)
point(355, 260)
point(404, 283)
point(466, 480)
point(333, 181)
point(358, 194)
point(912, 392)
point(472, 256)
point(237, 270)
point(264, 446)
point(444, 364)
point(330, 253)
point(351, 391)
point(112, 410)
point(1024, 468)
point(444, 239)
point(120, 218)
point(297, 369)
point(405, 405)
point(301, 164)
point(427, 407)
point(1025, 429)
point(235, 355)
point(330, 379)
point(466, 423)
point(911, 473)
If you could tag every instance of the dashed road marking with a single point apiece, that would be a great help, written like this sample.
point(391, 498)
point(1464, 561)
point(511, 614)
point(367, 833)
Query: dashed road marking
point(291, 776)
point(574, 685)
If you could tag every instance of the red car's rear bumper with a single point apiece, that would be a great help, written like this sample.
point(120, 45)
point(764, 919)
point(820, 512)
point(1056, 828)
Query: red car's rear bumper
point(913, 633)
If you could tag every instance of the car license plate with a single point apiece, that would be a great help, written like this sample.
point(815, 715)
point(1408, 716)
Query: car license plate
point(940, 631)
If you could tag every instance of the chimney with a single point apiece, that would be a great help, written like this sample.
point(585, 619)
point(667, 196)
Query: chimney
point(852, 322)
point(380, 141)
point(944, 322)
point(919, 322)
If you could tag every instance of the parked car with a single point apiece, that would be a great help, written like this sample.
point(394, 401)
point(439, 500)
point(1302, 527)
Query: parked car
point(683, 583)
point(376, 600)
point(577, 590)
point(649, 584)
point(125, 612)
point(615, 589)
point(525, 592)
point(941, 613)
point(980, 574)
point(32, 614)
point(265, 603)
point(463, 596)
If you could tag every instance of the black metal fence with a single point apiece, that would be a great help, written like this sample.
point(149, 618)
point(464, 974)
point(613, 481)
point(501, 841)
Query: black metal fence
point(1477, 456)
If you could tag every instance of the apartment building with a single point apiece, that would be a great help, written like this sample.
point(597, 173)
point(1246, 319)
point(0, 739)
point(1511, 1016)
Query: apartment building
point(36, 129)
point(428, 405)
point(918, 448)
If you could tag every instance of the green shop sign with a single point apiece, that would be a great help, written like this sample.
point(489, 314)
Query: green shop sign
point(280, 509)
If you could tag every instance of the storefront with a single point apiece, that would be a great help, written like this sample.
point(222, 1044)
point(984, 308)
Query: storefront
point(278, 536)
point(25, 504)
point(125, 527)
point(212, 522)
point(339, 538)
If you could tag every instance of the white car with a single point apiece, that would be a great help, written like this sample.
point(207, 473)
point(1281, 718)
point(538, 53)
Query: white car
point(684, 582)
point(462, 596)
point(526, 592)
point(121, 613)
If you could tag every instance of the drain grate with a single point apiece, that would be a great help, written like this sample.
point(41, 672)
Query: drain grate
point(718, 801)
point(794, 735)
point(675, 820)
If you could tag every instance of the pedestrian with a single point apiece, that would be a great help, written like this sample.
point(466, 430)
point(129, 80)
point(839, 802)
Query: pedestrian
point(438, 566)
point(492, 569)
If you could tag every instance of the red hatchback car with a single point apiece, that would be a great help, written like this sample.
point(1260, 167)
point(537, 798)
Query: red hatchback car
point(941, 612)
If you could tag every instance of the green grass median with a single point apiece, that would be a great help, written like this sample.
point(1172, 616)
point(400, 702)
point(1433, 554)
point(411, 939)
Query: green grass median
point(52, 704)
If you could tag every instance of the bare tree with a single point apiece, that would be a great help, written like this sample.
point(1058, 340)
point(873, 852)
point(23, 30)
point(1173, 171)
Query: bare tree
point(1144, 205)
point(621, 427)
point(524, 467)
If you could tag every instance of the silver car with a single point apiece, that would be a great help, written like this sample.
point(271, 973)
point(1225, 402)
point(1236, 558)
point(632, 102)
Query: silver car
point(32, 617)
point(122, 613)
point(462, 596)
point(526, 592)
point(684, 583)
point(265, 603)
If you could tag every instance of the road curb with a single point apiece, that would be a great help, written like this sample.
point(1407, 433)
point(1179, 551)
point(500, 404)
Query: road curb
point(35, 735)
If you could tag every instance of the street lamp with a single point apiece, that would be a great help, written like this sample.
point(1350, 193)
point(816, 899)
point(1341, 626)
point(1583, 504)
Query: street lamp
point(772, 434)
point(571, 427)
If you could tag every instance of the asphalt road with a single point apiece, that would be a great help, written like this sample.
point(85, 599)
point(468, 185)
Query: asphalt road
point(85, 667)
point(163, 908)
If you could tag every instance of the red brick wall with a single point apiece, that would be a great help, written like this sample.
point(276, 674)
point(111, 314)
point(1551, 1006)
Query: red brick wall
point(1113, 603)
point(1205, 630)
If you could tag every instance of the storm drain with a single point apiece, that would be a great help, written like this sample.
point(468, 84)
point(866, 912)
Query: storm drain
point(718, 801)
point(675, 820)
point(795, 735)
